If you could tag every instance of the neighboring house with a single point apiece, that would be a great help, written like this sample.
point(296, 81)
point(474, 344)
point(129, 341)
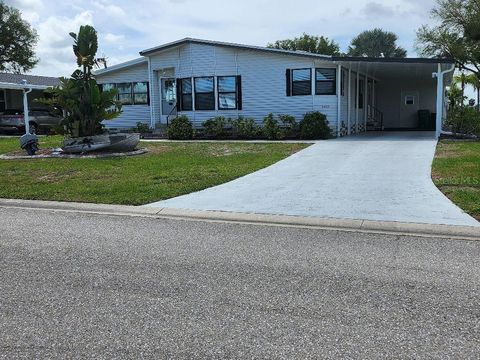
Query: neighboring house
point(11, 92)
point(203, 79)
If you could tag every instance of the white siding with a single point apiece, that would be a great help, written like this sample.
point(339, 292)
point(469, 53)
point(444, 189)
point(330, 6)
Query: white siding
point(131, 114)
point(263, 81)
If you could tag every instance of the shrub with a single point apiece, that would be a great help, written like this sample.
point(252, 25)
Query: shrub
point(289, 124)
point(217, 127)
point(180, 129)
point(246, 128)
point(141, 128)
point(271, 130)
point(315, 126)
point(465, 121)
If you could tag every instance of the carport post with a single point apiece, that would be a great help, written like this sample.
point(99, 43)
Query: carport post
point(349, 110)
point(339, 100)
point(440, 98)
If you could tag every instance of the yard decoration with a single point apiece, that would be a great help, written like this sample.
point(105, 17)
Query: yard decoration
point(84, 103)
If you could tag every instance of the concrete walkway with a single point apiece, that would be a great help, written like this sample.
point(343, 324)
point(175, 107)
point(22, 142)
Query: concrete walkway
point(379, 176)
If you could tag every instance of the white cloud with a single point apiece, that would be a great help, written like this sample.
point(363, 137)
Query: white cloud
point(127, 27)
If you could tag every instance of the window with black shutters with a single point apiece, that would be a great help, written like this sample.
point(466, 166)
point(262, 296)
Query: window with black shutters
point(204, 93)
point(186, 90)
point(301, 82)
point(325, 81)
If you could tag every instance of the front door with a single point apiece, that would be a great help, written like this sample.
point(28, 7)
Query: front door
point(169, 94)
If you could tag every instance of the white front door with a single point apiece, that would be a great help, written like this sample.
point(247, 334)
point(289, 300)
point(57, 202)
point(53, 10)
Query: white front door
point(409, 107)
point(169, 95)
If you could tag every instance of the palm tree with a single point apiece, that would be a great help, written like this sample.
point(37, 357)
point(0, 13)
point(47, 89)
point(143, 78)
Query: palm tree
point(461, 79)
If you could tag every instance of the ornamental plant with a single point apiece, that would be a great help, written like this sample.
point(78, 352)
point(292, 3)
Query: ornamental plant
point(79, 96)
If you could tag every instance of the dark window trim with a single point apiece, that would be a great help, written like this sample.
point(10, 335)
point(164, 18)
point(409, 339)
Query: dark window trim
point(334, 91)
point(180, 94)
point(361, 92)
point(125, 93)
point(292, 82)
point(195, 91)
point(343, 81)
point(227, 92)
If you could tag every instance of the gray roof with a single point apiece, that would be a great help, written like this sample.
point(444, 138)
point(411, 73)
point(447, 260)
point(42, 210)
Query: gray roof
point(230, 45)
point(31, 79)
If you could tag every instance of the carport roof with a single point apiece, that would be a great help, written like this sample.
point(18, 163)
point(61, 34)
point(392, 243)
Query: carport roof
point(395, 68)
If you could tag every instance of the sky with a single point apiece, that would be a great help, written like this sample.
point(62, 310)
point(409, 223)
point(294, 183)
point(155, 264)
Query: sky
point(127, 27)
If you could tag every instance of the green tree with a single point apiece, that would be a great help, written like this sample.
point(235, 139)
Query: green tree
point(313, 44)
point(17, 41)
point(456, 36)
point(376, 43)
point(80, 96)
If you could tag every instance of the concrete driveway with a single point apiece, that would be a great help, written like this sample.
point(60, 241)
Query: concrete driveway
point(379, 176)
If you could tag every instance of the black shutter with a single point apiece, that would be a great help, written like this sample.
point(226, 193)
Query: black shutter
point(100, 87)
point(288, 81)
point(148, 93)
point(239, 92)
point(179, 94)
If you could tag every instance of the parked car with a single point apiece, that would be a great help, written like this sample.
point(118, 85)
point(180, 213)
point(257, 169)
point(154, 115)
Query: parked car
point(12, 119)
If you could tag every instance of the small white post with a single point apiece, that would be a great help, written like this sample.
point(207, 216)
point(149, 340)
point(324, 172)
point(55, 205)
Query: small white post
point(365, 103)
point(356, 100)
point(439, 118)
point(25, 110)
point(349, 99)
point(339, 100)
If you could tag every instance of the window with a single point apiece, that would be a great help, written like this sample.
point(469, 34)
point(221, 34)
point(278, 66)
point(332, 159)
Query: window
point(227, 92)
point(107, 87)
point(301, 82)
point(125, 93)
point(325, 81)
point(140, 93)
point(409, 100)
point(204, 93)
point(184, 94)
point(361, 91)
point(130, 93)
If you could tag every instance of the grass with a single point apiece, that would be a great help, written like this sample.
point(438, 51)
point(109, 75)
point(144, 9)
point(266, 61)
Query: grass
point(168, 170)
point(456, 172)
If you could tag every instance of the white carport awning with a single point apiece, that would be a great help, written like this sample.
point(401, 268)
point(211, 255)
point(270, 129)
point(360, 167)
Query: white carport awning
point(13, 86)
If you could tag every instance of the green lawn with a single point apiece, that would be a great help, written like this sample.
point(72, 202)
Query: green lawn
point(456, 172)
point(168, 170)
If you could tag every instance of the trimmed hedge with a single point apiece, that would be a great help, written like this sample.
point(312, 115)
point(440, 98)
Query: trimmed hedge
point(314, 125)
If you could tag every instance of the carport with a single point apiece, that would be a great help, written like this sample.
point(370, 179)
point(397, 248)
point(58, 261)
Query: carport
point(393, 94)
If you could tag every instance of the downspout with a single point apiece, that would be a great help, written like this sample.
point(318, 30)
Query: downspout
point(349, 101)
point(440, 94)
point(151, 89)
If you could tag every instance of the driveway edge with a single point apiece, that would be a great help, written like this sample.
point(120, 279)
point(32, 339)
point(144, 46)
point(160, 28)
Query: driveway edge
point(390, 227)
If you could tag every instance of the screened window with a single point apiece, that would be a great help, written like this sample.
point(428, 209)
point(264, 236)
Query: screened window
point(343, 82)
point(227, 92)
point(140, 93)
point(107, 87)
point(185, 96)
point(125, 93)
point(361, 91)
point(204, 93)
point(325, 81)
point(301, 82)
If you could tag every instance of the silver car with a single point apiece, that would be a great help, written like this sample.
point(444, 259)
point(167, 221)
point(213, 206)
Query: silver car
point(12, 119)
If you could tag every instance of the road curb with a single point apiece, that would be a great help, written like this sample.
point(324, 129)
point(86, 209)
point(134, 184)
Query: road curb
point(415, 229)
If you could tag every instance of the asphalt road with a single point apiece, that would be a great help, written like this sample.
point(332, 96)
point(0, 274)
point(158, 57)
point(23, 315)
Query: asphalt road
point(82, 285)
